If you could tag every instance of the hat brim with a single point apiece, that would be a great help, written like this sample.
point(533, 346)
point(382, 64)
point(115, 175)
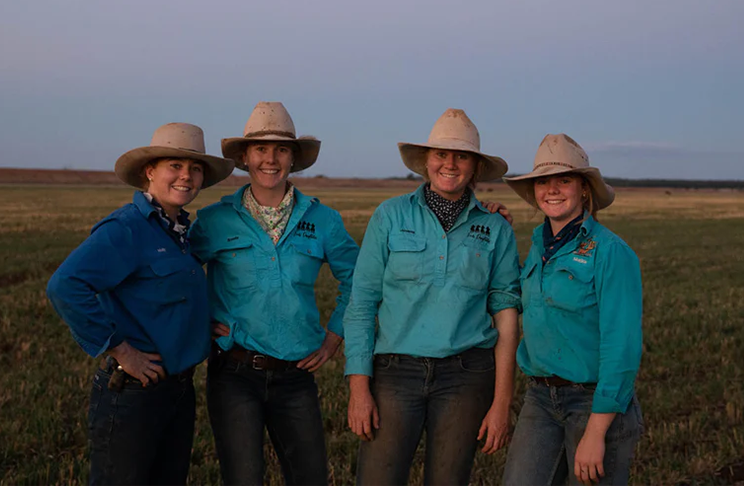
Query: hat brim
point(129, 166)
point(414, 157)
point(524, 185)
point(234, 148)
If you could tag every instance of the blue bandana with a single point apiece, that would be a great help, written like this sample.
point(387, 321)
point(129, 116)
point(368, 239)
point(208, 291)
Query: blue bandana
point(552, 244)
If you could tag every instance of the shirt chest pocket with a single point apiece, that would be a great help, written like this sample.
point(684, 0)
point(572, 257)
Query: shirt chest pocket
point(236, 263)
point(167, 281)
point(305, 260)
point(474, 263)
point(528, 282)
point(405, 258)
point(571, 288)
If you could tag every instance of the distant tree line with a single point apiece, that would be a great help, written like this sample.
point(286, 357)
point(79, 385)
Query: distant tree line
point(667, 183)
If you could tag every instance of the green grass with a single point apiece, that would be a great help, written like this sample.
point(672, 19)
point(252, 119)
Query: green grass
point(690, 384)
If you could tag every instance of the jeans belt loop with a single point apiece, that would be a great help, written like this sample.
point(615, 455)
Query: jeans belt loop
point(254, 362)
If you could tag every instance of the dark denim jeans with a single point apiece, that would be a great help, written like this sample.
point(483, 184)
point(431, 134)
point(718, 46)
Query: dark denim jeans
point(550, 426)
point(141, 435)
point(242, 401)
point(446, 397)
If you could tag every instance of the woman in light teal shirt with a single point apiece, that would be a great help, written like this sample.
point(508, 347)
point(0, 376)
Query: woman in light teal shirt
point(582, 299)
point(421, 346)
point(264, 246)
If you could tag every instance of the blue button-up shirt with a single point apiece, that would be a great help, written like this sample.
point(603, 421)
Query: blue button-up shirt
point(265, 292)
point(582, 314)
point(433, 292)
point(132, 281)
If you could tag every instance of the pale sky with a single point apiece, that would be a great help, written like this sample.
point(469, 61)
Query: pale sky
point(650, 89)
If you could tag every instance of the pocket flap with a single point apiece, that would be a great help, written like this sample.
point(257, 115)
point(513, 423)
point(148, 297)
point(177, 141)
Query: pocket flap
point(406, 243)
point(585, 275)
point(234, 243)
point(165, 267)
point(308, 247)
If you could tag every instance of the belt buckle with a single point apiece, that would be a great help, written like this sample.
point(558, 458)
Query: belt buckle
point(254, 363)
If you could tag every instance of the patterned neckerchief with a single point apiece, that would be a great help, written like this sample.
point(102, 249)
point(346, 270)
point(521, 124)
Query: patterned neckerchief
point(445, 210)
point(552, 244)
point(272, 220)
point(177, 229)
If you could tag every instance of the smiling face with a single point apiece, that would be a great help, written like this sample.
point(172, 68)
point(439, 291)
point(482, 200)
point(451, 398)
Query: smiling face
point(269, 164)
point(450, 172)
point(174, 182)
point(560, 197)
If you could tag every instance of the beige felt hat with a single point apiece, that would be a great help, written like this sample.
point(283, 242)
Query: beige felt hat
point(176, 140)
point(560, 154)
point(452, 131)
point(270, 122)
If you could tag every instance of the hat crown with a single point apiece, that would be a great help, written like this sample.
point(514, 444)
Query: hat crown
point(560, 150)
point(270, 118)
point(182, 136)
point(455, 126)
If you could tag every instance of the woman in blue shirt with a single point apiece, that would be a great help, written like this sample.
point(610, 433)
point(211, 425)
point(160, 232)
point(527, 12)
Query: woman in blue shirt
point(264, 246)
point(133, 291)
point(582, 300)
point(421, 345)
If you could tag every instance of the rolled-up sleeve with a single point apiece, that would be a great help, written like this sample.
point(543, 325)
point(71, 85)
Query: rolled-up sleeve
point(341, 254)
point(99, 264)
point(503, 290)
point(366, 295)
point(620, 298)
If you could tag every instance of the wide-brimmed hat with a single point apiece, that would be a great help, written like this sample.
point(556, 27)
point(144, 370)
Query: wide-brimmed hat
point(270, 122)
point(560, 154)
point(174, 140)
point(452, 131)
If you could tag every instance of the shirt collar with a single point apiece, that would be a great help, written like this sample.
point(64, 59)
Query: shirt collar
point(419, 196)
point(586, 228)
point(235, 199)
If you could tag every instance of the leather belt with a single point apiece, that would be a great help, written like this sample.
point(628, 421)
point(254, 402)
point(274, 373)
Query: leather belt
point(258, 361)
point(555, 381)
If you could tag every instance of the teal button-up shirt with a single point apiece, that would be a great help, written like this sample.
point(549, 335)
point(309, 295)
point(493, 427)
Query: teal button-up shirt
point(265, 292)
point(582, 315)
point(432, 293)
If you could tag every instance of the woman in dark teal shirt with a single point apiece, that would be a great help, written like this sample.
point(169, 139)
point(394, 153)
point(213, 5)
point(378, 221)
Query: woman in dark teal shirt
point(582, 300)
point(134, 292)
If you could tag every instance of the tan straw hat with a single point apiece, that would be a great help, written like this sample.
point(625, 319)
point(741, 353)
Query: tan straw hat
point(270, 122)
point(560, 154)
point(174, 140)
point(452, 131)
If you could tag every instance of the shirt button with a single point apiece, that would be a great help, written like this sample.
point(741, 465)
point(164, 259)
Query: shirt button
point(310, 252)
point(193, 272)
point(477, 254)
point(570, 277)
point(441, 257)
point(183, 251)
point(273, 258)
point(444, 236)
point(233, 255)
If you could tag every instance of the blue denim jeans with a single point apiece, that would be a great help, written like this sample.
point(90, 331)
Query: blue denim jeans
point(446, 397)
point(242, 401)
point(141, 435)
point(550, 426)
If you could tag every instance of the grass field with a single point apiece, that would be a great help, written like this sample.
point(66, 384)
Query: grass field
point(691, 384)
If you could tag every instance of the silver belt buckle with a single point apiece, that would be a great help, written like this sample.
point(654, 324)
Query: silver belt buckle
point(254, 364)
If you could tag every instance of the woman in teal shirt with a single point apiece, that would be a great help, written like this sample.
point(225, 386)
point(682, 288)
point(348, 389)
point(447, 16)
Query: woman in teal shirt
point(421, 346)
point(582, 300)
point(264, 246)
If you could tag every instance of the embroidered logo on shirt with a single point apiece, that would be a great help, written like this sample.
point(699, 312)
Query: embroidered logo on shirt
point(480, 232)
point(585, 248)
point(306, 230)
point(580, 260)
point(162, 250)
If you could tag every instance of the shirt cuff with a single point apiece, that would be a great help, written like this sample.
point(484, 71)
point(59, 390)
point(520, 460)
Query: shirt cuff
point(603, 404)
point(359, 366)
point(498, 301)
